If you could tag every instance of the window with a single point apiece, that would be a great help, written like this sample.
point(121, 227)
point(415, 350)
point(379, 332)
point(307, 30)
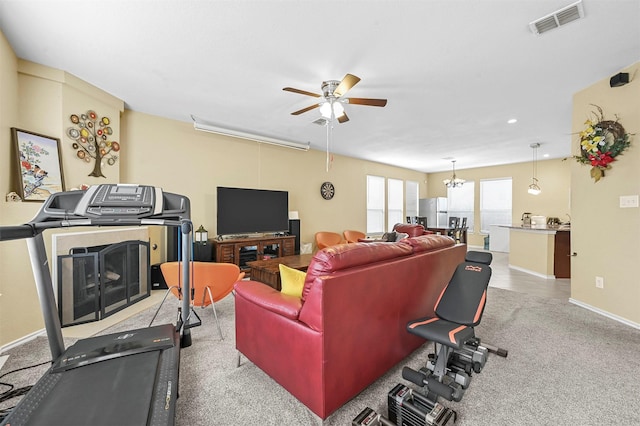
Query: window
point(411, 199)
point(375, 204)
point(460, 202)
point(495, 203)
point(395, 202)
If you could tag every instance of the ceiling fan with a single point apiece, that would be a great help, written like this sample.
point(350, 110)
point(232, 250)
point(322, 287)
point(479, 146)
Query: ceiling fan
point(331, 106)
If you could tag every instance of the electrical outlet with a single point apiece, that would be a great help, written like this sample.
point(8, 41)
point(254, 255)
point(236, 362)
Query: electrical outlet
point(599, 282)
point(628, 201)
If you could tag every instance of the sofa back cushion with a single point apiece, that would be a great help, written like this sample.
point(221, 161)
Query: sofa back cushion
point(428, 242)
point(346, 256)
point(413, 230)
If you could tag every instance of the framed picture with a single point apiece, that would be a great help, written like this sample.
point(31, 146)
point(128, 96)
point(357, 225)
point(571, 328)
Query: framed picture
point(39, 164)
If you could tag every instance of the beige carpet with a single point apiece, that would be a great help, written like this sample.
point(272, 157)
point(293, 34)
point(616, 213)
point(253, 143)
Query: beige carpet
point(566, 365)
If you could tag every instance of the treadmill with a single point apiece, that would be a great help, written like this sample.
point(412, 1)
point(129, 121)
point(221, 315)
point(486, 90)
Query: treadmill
point(126, 378)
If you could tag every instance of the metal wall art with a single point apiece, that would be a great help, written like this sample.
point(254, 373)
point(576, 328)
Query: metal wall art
point(92, 140)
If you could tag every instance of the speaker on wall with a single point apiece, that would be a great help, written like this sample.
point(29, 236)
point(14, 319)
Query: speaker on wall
point(294, 229)
point(619, 79)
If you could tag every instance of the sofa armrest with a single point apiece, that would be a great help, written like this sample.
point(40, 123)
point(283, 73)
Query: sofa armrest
point(269, 298)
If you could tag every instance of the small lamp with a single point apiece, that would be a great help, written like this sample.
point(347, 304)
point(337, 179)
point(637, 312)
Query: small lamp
point(202, 235)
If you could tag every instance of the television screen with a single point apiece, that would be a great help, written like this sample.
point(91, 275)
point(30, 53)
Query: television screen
point(244, 211)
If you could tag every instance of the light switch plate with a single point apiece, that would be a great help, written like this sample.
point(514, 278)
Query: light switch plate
point(628, 201)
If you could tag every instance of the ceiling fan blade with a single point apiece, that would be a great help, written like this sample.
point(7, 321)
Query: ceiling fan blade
point(343, 118)
point(367, 101)
point(347, 83)
point(309, 108)
point(302, 92)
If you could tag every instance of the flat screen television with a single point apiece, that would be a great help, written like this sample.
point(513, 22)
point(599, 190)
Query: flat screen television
point(246, 211)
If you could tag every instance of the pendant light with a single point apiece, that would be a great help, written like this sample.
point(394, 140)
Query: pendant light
point(534, 189)
point(454, 182)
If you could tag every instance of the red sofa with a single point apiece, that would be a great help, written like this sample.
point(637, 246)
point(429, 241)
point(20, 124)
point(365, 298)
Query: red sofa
point(349, 326)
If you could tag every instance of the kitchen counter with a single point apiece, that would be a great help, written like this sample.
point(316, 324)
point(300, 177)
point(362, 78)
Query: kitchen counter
point(549, 229)
point(541, 251)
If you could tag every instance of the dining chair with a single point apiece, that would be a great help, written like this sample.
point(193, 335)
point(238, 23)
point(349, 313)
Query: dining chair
point(353, 236)
point(328, 239)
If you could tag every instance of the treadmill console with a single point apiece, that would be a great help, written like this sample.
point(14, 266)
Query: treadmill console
point(120, 200)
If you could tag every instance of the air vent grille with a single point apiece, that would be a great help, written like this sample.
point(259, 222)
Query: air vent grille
point(559, 17)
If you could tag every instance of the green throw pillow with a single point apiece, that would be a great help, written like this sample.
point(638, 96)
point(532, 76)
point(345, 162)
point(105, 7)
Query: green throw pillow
point(292, 280)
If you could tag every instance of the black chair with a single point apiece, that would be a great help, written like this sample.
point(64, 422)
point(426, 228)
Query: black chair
point(458, 352)
point(460, 233)
point(453, 226)
point(422, 220)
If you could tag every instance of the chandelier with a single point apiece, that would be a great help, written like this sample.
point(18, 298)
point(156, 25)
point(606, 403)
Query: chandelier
point(534, 189)
point(454, 182)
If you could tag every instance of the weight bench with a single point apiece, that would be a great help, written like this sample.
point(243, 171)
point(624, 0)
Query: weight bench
point(458, 352)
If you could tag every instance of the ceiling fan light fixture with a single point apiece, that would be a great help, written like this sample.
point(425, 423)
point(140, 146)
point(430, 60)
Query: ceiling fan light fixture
point(325, 109)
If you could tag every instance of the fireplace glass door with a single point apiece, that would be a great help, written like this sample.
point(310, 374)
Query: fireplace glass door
point(95, 282)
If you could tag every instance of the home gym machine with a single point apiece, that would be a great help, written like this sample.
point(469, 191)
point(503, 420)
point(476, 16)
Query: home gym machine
point(458, 352)
point(126, 378)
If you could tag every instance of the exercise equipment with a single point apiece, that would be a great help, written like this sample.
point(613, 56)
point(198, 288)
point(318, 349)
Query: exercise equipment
point(407, 408)
point(122, 378)
point(458, 352)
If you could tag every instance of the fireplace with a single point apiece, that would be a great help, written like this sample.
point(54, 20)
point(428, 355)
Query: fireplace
point(95, 282)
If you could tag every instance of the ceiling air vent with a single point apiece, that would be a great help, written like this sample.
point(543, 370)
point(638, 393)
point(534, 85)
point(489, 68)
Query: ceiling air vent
point(559, 17)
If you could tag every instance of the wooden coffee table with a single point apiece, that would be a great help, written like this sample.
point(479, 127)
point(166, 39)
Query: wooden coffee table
point(268, 271)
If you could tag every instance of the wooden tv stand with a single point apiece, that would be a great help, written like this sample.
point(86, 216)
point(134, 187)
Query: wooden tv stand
point(243, 250)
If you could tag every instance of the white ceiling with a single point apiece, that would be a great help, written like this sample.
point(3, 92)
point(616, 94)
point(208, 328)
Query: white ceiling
point(453, 71)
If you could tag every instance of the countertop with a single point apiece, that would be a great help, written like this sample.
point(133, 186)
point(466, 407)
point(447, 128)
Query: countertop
point(547, 228)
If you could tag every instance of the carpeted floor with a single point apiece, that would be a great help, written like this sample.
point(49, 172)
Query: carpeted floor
point(566, 365)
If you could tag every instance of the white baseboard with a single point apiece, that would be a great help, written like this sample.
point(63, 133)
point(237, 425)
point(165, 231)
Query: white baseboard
point(3, 359)
point(23, 339)
point(605, 313)
point(537, 274)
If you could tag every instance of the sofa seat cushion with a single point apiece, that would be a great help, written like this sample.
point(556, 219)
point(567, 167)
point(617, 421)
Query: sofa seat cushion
point(337, 258)
point(269, 298)
point(428, 242)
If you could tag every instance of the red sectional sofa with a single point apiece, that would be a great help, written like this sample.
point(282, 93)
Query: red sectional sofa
point(349, 326)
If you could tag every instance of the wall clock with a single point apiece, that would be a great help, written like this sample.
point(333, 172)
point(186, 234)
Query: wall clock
point(327, 190)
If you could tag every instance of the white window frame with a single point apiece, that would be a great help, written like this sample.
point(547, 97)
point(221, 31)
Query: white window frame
point(375, 204)
point(395, 202)
point(490, 214)
point(412, 191)
point(452, 193)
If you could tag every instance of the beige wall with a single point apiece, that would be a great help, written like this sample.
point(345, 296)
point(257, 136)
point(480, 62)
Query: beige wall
point(554, 178)
point(37, 99)
point(605, 237)
point(174, 156)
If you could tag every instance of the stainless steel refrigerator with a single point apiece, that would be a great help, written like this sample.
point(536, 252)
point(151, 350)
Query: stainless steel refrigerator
point(435, 210)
